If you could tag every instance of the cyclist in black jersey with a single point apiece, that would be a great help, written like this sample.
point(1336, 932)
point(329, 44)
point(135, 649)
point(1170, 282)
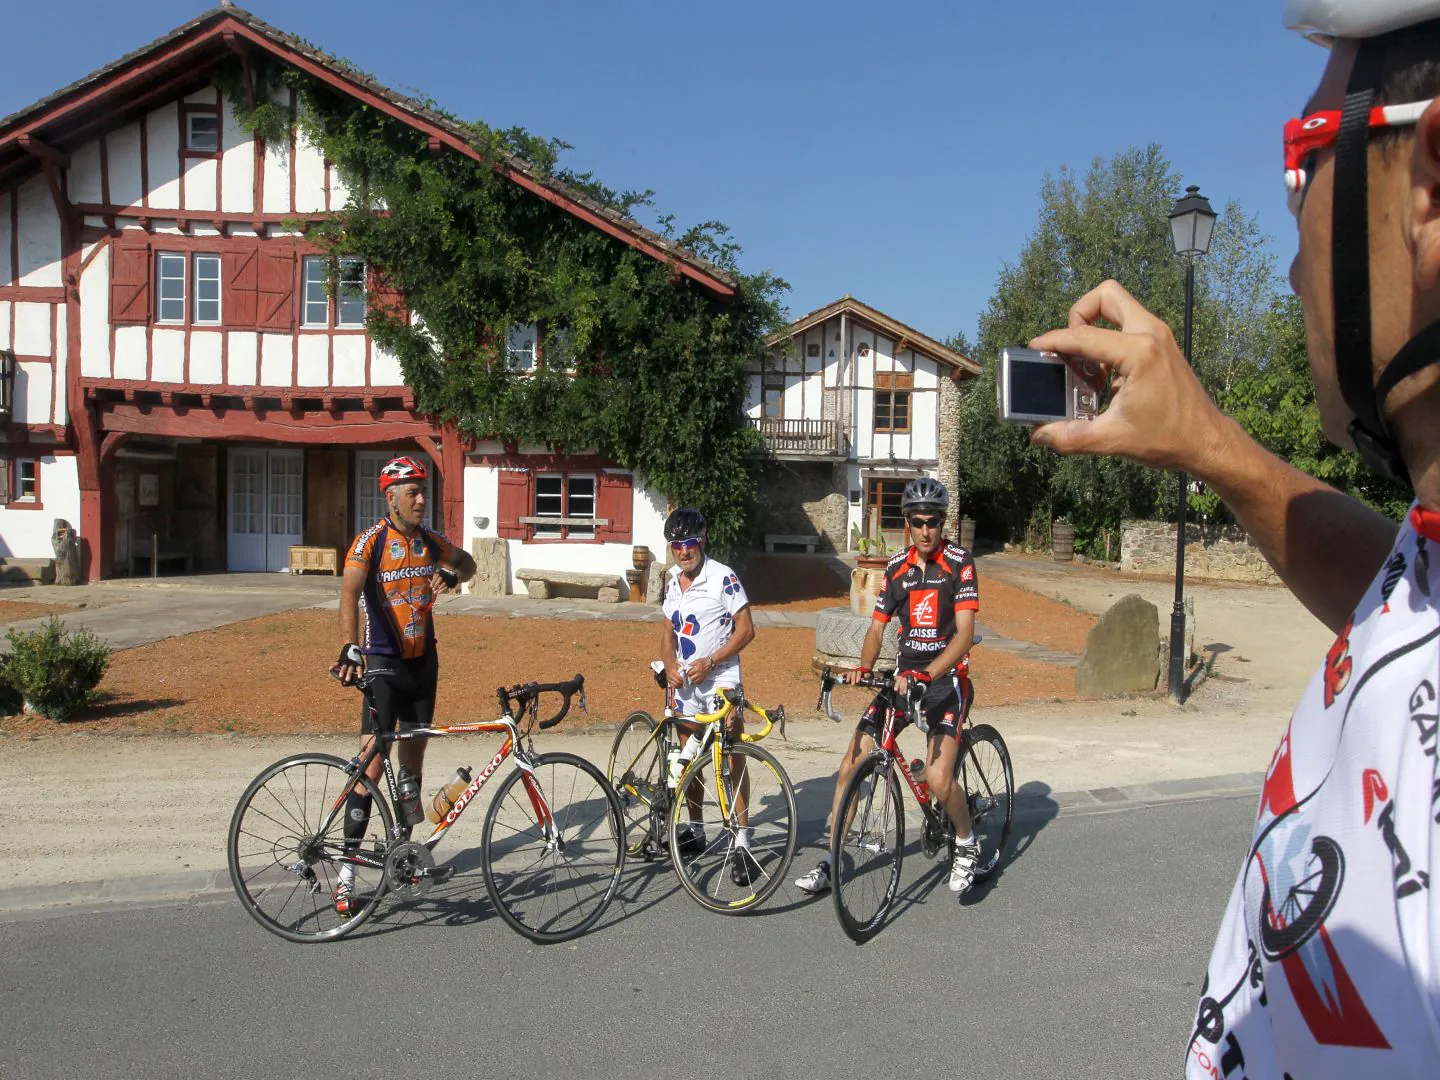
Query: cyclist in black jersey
point(931, 588)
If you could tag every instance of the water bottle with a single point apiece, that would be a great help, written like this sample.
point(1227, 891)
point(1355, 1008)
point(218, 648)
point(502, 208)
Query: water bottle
point(688, 752)
point(673, 767)
point(917, 773)
point(408, 797)
point(444, 800)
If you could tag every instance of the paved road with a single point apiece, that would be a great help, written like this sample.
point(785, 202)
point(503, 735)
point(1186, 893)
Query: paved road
point(1084, 960)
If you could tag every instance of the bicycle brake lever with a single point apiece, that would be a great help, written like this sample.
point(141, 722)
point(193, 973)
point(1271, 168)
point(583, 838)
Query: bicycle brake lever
point(828, 708)
point(583, 709)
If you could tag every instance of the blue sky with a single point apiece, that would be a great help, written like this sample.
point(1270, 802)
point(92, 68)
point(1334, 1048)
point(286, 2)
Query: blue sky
point(894, 151)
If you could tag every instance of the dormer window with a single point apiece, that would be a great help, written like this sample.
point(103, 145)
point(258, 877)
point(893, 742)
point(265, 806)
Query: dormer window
point(202, 132)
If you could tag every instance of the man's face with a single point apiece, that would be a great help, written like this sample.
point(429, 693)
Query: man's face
point(688, 554)
point(926, 527)
point(1391, 262)
point(407, 503)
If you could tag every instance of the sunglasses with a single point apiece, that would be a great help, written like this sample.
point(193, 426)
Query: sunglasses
point(926, 522)
point(684, 545)
point(1307, 136)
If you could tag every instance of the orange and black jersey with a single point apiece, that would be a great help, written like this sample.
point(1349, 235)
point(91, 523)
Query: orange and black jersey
point(396, 601)
point(926, 599)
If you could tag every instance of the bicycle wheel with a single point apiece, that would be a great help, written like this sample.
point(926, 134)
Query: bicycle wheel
point(286, 843)
point(867, 847)
point(637, 773)
point(724, 868)
point(553, 848)
point(989, 792)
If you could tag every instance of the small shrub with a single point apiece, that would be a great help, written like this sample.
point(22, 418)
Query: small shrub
point(55, 671)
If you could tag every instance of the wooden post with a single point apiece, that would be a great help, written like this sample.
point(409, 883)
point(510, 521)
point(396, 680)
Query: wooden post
point(154, 556)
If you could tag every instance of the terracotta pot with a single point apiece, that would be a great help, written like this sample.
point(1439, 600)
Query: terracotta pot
point(866, 584)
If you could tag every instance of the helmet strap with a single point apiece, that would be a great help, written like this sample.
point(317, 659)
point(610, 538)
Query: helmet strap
point(1350, 270)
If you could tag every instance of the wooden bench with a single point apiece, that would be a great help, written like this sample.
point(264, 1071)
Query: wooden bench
point(806, 540)
point(160, 559)
point(541, 584)
point(324, 559)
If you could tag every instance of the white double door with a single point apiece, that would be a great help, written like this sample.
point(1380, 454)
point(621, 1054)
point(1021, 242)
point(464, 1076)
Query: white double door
point(266, 496)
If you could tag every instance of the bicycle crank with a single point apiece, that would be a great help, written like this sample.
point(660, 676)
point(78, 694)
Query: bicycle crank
point(410, 870)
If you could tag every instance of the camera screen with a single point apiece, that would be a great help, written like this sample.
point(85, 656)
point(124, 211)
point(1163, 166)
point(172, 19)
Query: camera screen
point(1037, 388)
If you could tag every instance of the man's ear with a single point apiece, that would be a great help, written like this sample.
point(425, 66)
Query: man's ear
point(1425, 199)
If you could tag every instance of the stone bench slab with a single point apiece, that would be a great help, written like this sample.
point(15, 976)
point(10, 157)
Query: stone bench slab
point(808, 541)
point(540, 584)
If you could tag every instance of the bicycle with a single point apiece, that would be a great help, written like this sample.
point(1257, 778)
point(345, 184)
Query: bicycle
point(729, 784)
point(551, 858)
point(867, 843)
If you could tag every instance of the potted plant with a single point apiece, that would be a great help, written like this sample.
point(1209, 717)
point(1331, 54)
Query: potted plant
point(868, 577)
point(873, 551)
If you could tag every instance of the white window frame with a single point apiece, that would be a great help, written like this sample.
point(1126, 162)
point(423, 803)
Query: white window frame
point(190, 119)
point(19, 494)
point(162, 259)
point(307, 282)
point(520, 351)
point(196, 261)
point(562, 529)
point(557, 349)
point(344, 263)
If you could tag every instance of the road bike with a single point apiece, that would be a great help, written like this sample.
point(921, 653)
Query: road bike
point(721, 806)
point(867, 844)
point(552, 849)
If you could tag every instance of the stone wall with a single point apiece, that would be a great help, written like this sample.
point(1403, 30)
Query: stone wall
point(948, 468)
point(1222, 553)
point(802, 497)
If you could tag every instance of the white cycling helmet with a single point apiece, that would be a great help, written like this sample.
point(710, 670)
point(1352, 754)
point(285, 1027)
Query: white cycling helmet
point(1323, 21)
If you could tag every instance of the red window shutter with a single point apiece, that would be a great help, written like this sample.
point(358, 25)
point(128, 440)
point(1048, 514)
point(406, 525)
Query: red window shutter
point(275, 278)
point(240, 296)
point(130, 279)
point(615, 501)
point(384, 296)
point(516, 501)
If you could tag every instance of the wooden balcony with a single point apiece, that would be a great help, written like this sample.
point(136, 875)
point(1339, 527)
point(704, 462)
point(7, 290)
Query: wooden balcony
point(800, 438)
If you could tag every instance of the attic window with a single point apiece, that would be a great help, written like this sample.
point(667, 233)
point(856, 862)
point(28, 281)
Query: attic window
point(202, 132)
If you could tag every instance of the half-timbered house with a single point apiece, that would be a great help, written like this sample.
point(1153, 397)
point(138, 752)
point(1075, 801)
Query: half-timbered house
point(193, 378)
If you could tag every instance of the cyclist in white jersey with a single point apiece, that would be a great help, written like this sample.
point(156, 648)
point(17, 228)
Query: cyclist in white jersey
point(1327, 963)
point(707, 624)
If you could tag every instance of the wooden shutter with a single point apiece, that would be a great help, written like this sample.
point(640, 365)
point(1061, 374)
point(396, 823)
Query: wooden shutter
point(615, 501)
point(240, 293)
point(275, 279)
point(384, 296)
point(130, 272)
point(516, 500)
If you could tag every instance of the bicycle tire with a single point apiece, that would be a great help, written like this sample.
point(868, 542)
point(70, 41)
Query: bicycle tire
point(1279, 937)
point(288, 813)
point(527, 872)
point(706, 874)
point(857, 872)
point(989, 794)
point(638, 789)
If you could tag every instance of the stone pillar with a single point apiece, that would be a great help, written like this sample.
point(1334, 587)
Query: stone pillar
point(949, 448)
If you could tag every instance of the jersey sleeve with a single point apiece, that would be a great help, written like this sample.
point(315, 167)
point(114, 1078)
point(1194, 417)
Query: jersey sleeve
point(361, 549)
point(733, 594)
point(967, 585)
point(888, 602)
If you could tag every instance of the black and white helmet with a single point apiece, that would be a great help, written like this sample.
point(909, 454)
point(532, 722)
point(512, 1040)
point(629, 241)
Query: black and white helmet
point(924, 493)
point(686, 523)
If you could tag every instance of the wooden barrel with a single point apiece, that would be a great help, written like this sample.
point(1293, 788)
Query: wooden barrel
point(967, 533)
point(640, 556)
point(1063, 542)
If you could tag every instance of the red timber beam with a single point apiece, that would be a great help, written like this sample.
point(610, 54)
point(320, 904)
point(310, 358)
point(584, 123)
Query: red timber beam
point(307, 429)
point(449, 458)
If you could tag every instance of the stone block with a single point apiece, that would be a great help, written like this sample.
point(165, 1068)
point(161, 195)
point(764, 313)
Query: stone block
point(492, 567)
point(608, 595)
point(840, 635)
point(655, 583)
point(538, 590)
point(1122, 651)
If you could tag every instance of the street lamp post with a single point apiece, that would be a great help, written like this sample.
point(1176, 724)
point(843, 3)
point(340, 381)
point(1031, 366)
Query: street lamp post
point(1192, 223)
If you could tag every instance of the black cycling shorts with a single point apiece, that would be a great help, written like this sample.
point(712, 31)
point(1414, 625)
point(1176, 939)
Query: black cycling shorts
point(401, 691)
point(946, 705)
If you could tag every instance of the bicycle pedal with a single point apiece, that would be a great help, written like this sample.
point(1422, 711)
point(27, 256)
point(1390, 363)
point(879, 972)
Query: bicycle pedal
point(440, 873)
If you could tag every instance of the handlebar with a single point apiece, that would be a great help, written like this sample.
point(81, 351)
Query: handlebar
point(527, 695)
point(772, 717)
point(875, 680)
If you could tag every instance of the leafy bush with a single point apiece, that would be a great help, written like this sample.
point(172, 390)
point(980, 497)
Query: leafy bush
point(53, 670)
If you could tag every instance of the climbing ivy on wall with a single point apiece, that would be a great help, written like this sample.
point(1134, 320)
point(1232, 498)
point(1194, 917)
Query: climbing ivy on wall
point(659, 362)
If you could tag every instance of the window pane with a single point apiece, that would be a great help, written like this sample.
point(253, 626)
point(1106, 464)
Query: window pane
point(204, 132)
point(900, 412)
point(882, 412)
point(207, 288)
point(549, 502)
point(581, 504)
point(520, 348)
point(317, 299)
point(559, 350)
point(350, 293)
point(28, 483)
point(170, 270)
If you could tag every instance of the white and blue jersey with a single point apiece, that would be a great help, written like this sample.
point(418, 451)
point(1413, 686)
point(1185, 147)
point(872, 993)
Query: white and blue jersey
point(702, 618)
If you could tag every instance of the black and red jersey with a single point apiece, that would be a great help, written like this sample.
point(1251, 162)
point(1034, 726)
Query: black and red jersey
point(925, 597)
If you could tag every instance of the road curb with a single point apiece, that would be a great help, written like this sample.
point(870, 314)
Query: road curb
point(195, 886)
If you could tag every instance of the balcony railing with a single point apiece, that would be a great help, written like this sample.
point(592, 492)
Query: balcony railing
point(804, 438)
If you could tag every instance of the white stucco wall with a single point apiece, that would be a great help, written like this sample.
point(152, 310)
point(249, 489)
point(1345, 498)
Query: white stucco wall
point(25, 534)
point(39, 235)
